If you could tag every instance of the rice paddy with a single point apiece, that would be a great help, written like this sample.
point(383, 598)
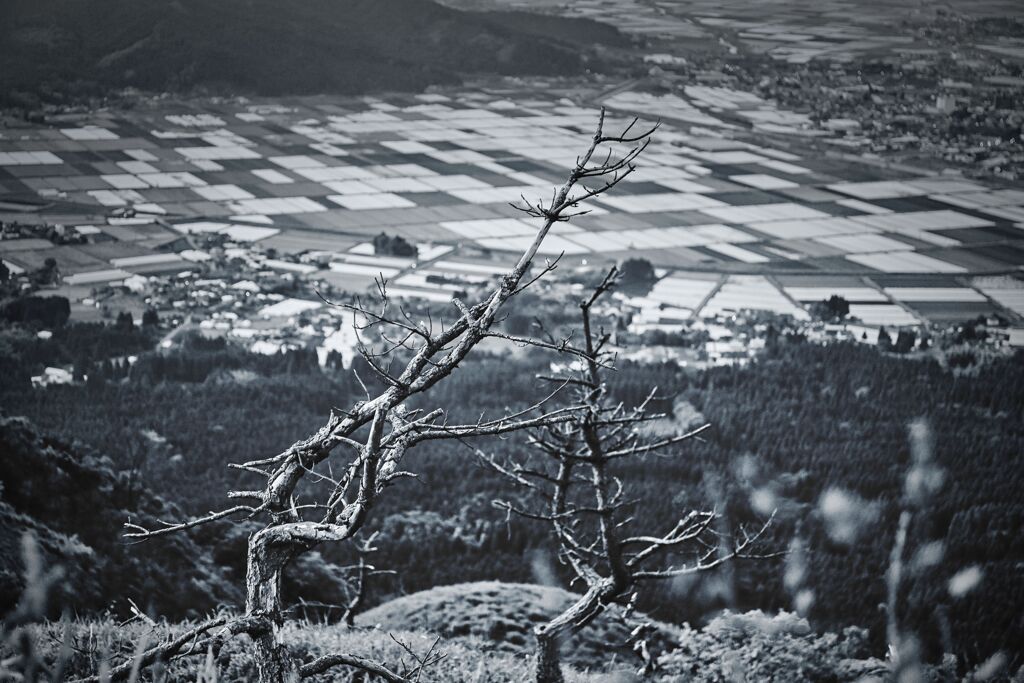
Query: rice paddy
point(727, 217)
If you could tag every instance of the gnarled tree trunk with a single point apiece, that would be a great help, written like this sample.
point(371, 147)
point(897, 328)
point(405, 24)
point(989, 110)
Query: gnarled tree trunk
point(549, 664)
point(265, 562)
point(576, 616)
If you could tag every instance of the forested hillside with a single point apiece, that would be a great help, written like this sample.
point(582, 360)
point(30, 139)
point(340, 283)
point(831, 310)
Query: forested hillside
point(815, 417)
point(76, 505)
point(802, 421)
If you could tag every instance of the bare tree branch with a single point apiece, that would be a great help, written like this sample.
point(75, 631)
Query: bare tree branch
point(326, 662)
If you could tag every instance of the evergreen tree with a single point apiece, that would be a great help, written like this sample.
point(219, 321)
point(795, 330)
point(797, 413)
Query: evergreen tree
point(884, 339)
point(904, 341)
point(94, 377)
point(150, 318)
point(48, 274)
point(80, 369)
point(637, 271)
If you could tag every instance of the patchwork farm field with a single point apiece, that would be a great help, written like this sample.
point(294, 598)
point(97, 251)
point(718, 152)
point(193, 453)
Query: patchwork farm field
point(730, 221)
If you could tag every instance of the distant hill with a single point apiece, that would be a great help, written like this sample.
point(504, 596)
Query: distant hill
point(505, 613)
point(62, 48)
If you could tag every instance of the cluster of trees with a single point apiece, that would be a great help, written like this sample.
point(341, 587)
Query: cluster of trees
point(45, 311)
point(46, 274)
point(99, 349)
point(904, 342)
point(691, 339)
point(831, 310)
point(393, 245)
point(196, 360)
point(835, 309)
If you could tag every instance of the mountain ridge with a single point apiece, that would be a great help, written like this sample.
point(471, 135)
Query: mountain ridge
point(260, 47)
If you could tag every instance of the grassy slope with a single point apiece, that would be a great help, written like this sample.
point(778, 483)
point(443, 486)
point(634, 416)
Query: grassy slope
point(465, 660)
point(477, 629)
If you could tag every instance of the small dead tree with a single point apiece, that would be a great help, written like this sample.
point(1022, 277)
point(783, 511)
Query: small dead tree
point(356, 589)
point(414, 355)
point(570, 484)
point(352, 587)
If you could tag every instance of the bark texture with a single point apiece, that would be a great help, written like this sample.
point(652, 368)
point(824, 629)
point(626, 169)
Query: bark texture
point(549, 664)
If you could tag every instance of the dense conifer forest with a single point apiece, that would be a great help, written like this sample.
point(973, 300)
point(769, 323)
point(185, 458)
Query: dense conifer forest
point(801, 430)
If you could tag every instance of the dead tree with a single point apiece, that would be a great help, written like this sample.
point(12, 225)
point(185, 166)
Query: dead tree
point(569, 483)
point(412, 357)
